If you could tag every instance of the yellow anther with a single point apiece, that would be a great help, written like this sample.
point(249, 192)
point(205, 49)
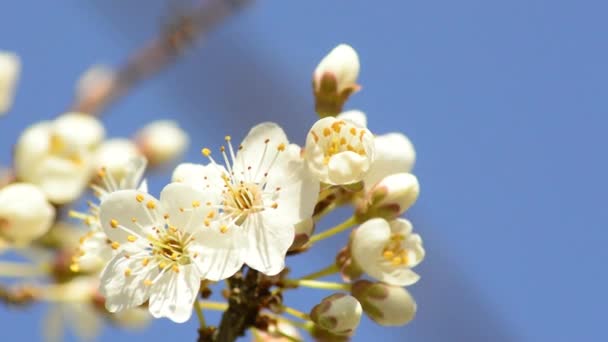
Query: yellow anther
point(166, 216)
point(211, 214)
point(74, 268)
point(388, 254)
point(207, 223)
point(337, 126)
point(326, 132)
point(139, 198)
point(148, 282)
point(223, 229)
point(113, 223)
point(353, 131)
point(396, 261)
point(132, 238)
point(315, 137)
point(274, 205)
point(145, 262)
point(342, 141)
point(127, 272)
point(175, 268)
point(151, 205)
point(196, 204)
point(281, 147)
point(206, 152)
point(115, 245)
point(162, 265)
point(227, 138)
point(101, 172)
point(133, 219)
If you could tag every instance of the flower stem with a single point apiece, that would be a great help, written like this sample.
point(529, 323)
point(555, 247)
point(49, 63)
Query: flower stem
point(351, 221)
point(329, 270)
point(199, 313)
point(17, 270)
point(296, 313)
point(315, 284)
point(210, 305)
point(328, 209)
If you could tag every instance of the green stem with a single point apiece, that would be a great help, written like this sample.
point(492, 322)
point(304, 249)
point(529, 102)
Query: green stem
point(351, 221)
point(318, 216)
point(329, 270)
point(296, 313)
point(315, 284)
point(209, 305)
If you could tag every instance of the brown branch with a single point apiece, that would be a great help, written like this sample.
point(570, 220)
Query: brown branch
point(160, 52)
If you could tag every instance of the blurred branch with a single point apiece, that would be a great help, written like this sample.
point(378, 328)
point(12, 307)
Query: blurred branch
point(176, 37)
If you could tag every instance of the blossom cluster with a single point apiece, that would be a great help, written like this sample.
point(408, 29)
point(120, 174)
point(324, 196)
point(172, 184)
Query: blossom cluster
point(245, 206)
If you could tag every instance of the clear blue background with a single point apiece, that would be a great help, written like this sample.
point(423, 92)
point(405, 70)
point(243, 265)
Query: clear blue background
point(505, 102)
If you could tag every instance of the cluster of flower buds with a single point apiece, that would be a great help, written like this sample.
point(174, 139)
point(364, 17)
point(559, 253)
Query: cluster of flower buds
point(249, 206)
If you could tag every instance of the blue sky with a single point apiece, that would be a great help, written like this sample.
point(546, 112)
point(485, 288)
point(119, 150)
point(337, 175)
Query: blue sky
point(504, 101)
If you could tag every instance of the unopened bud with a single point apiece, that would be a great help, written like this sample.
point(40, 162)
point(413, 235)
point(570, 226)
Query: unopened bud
point(94, 86)
point(25, 213)
point(385, 304)
point(334, 79)
point(10, 67)
point(162, 141)
point(390, 197)
point(115, 156)
point(339, 314)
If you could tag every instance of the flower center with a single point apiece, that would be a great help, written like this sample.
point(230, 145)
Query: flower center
point(170, 247)
point(340, 136)
point(59, 148)
point(394, 252)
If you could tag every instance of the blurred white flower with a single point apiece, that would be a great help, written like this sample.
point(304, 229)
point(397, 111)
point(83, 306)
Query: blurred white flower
point(162, 141)
point(339, 151)
point(57, 155)
point(264, 191)
point(159, 255)
point(385, 304)
point(94, 84)
point(387, 250)
point(341, 64)
point(115, 156)
point(390, 197)
point(10, 67)
point(339, 314)
point(25, 213)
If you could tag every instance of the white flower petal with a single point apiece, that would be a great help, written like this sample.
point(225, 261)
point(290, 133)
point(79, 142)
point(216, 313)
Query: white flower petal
point(10, 67)
point(185, 206)
point(394, 154)
point(268, 243)
point(118, 210)
point(347, 167)
point(173, 295)
point(220, 255)
point(355, 116)
point(367, 244)
point(123, 291)
point(78, 130)
point(343, 63)
point(206, 178)
point(62, 180)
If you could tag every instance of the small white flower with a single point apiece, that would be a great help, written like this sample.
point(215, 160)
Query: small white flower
point(10, 66)
point(25, 213)
point(390, 197)
point(162, 141)
point(394, 152)
point(159, 257)
point(57, 155)
point(387, 251)
point(342, 64)
point(264, 191)
point(115, 156)
point(385, 304)
point(339, 314)
point(339, 151)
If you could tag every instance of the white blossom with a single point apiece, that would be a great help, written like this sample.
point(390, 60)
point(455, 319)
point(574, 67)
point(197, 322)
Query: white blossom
point(57, 155)
point(162, 141)
point(160, 256)
point(387, 251)
point(339, 151)
point(10, 67)
point(342, 64)
point(385, 304)
point(25, 213)
point(391, 197)
point(339, 314)
point(262, 193)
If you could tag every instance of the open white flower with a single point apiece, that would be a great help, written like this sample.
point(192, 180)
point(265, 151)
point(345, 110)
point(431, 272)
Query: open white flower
point(387, 251)
point(57, 155)
point(339, 314)
point(162, 141)
point(387, 305)
point(339, 151)
point(264, 191)
point(25, 213)
point(394, 152)
point(159, 257)
point(10, 66)
point(95, 249)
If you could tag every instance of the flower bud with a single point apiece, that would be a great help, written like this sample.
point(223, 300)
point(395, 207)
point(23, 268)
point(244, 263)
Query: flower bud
point(162, 141)
point(394, 154)
point(303, 232)
point(339, 314)
point(387, 250)
point(277, 332)
point(25, 213)
point(385, 304)
point(390, 197)
point(10, 67)
point(115, 155)
point(94, 85)
point(338, 151)
point(334, 79)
